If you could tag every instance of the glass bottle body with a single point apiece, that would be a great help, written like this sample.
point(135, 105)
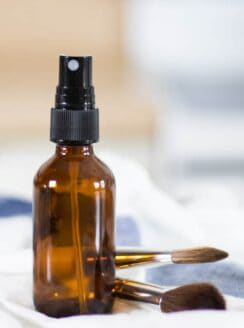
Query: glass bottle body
point(73, 234)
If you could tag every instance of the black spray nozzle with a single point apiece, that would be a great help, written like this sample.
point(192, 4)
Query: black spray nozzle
point(75, 72)
point(75, 90)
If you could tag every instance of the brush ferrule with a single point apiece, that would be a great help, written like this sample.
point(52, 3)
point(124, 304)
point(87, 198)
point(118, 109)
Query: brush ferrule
point(125, 258)
point(163, 258)
point(137, 291)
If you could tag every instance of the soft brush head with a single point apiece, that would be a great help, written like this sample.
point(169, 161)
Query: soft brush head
point(198, 255)
point(192, 297)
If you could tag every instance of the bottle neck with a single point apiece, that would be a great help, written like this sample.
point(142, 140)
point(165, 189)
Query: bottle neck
point(80, 151)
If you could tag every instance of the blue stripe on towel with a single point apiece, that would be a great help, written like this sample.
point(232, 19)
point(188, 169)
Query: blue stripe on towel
point(14, 206)
point(127, 233)
point(228, 277)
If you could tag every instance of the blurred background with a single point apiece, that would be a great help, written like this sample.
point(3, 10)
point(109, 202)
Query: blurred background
point(169, 79)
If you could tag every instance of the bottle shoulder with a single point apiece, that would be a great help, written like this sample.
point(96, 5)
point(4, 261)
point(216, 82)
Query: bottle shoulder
point(89, 168)
point(45, 168)
point(103, 168)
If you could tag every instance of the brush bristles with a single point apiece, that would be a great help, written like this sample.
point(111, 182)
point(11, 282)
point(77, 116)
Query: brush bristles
point(192, 297)
point(198, 255)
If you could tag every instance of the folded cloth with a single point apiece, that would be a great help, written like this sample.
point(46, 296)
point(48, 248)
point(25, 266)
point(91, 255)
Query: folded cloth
point(225, 275)
point(16, 282)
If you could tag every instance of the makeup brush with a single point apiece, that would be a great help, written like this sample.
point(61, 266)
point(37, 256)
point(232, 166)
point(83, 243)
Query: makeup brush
point(187, 297)
point(125, 258)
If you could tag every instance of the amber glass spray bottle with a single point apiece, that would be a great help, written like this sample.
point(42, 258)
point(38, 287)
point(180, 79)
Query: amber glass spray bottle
point(74, 205)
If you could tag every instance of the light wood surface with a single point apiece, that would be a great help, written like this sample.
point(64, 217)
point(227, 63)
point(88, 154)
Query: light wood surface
point(34, 33)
